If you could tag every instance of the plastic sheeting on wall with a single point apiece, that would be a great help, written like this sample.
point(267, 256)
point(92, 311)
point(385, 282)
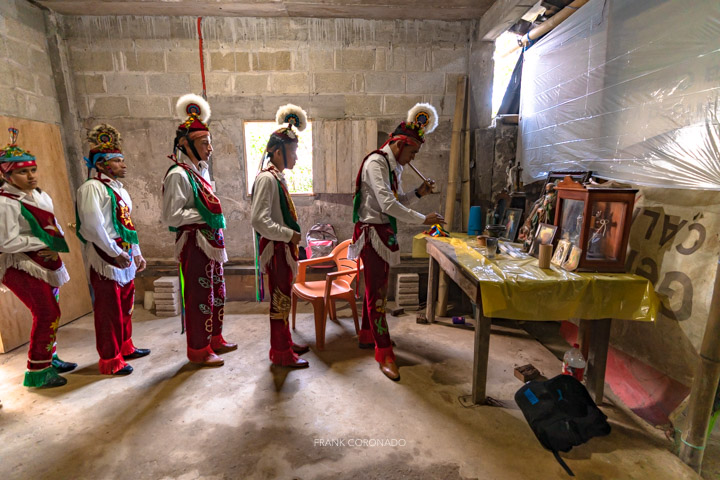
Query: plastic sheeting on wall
point(629, 89)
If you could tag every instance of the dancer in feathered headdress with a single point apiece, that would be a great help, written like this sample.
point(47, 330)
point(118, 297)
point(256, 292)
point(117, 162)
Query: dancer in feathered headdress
point(193, 211)
point(30, 239)
point(111, 249)
point(378, 203)
point(275, 220)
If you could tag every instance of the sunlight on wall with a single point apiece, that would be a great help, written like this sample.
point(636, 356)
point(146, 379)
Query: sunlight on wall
point(505, 57)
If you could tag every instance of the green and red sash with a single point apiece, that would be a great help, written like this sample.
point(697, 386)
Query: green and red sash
point(357, 199)
point(287, 206)
point(206, 202)
point(214, 236)
point(125, 246)
point(42, 224)
point(122, 222)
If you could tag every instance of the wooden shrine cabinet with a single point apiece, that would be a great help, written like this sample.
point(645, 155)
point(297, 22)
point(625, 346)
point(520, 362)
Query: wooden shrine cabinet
point(597, 220)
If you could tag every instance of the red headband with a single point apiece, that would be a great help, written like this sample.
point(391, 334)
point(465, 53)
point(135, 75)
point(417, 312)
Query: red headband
point(7, 167)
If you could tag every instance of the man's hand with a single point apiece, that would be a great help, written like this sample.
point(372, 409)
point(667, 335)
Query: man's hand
point(295, 238)
point(123, 260)
point(426, 188)
point(433, 218)
point(140, 263)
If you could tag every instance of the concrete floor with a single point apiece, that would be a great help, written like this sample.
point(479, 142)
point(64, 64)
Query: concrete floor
point(171, 420)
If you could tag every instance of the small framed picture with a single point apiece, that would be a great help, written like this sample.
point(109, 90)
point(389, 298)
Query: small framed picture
point(573, 259)
point(511, 220)
point(545, 235)
point(561, 252)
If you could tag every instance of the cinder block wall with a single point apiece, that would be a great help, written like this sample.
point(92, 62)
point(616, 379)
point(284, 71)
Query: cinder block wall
point(27, 89)
point(129, 71)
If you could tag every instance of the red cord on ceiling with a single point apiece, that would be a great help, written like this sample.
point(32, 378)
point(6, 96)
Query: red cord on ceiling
point(202, 60)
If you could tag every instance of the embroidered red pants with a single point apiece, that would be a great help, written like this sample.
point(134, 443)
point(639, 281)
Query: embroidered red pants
point(42, 300)
point(112, 309)
point(203, 297)
point(374, 327)
point(280, 279)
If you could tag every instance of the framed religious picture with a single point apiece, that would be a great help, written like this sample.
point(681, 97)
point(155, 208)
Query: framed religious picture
point(573, 259)
point(561, 252)
point(544, 236)
point(511, 220)
point(581, 177)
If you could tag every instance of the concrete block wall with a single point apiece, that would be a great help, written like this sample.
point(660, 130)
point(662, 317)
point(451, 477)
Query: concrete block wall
point(129, 71)
point(27, 88)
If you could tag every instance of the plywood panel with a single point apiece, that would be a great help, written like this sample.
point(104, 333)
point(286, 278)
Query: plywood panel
point(44, 141)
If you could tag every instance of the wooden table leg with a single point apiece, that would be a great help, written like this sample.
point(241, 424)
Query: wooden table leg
point(433, 275)
point(597, 357)
point(583, 337)
point(482, 351)
point(442, 295)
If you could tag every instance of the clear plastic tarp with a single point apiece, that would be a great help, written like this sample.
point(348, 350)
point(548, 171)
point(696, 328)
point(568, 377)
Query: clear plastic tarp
point(628, 89)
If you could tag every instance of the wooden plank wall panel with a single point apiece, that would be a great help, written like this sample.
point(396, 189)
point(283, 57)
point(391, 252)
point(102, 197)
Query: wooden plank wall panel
point(44, 141)
point(338, 149)
point(359, 140)
point(329, 143)
point(318, 157)
point(344, 149)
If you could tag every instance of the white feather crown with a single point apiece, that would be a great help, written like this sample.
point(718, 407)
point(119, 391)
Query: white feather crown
point(293, 115)
point(424, 115)
point(190, 104)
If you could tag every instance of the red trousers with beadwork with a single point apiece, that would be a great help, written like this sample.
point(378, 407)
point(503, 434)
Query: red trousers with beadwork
point(42, 300)
point(203, 298)
point(280, 279)
point(374, 327)
point(112, 309)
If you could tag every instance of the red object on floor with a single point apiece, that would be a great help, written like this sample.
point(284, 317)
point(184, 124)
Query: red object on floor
point(649, 393)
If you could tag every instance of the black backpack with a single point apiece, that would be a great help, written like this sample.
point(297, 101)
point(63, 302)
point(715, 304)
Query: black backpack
point(561, 414)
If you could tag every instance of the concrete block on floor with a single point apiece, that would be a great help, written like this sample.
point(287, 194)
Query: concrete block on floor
point(165, 282)
point(166, 289)
point(174, 296)
point(403, 300)
point(408, 278)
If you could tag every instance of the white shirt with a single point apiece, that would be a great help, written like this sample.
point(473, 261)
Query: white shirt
point(96, 214)
point(378, 201)
point(178, 197)
point(267, 217)
point(15, 233)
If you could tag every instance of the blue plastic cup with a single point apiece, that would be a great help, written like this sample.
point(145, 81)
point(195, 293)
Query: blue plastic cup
point(475, 221)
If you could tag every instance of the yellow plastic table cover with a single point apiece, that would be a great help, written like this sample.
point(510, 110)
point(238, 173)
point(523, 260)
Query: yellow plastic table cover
point(518, 289)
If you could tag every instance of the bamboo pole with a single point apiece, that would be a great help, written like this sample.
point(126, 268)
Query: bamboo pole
point(465, 186)
point(705, 384)
point(552, 22)
point(452, 180)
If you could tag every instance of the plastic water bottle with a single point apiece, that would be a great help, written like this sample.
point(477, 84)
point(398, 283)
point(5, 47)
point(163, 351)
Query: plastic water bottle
point(574, 363)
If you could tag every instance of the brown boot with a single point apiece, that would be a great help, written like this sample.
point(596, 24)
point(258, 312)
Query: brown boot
point(220, 345)
point(390, 369)
point(211, 360)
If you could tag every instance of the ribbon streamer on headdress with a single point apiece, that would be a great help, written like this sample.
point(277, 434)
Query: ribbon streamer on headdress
point(12, 157)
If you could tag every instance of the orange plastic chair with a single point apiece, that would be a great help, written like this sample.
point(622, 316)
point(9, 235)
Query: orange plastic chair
point(323, 293)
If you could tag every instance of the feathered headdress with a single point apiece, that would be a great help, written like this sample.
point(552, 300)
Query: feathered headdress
point(294, 117)
point(196, 112)
point(105, 143)
point(421, 120)
point(13, 157)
